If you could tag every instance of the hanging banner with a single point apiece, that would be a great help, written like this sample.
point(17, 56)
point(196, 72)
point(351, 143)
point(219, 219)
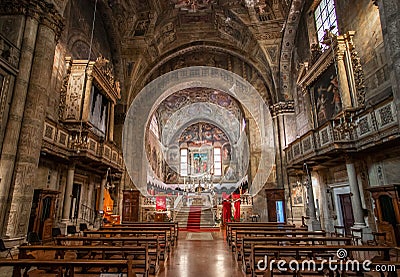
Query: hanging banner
point(161, 203)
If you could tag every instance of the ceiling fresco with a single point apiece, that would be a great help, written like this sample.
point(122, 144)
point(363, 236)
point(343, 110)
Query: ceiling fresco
point(202, 133)
point(193, 5)
point(187, 97)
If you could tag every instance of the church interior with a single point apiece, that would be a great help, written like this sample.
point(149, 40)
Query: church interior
point(138, 135)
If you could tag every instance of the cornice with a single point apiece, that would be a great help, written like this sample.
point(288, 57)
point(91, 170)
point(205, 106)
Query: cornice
point(52, 19)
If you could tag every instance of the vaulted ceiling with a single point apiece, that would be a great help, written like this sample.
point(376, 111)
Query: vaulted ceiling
point(149, 36)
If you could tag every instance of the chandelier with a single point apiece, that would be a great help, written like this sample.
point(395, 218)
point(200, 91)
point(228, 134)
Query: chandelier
point(78, 141)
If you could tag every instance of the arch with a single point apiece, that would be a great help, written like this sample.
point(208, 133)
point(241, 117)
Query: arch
point(259, 64)
point(154, 93)
point(216, 116)
point(289, 37)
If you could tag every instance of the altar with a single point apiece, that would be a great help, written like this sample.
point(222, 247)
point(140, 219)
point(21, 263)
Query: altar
point(197, 200)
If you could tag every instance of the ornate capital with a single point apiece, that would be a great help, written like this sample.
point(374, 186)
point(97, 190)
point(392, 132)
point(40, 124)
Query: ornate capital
point(52, 19)
point(282, 107)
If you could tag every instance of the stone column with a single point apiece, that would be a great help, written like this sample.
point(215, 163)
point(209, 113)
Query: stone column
point(111, 123)
point(342, 73)
point(100, 212)
point(90, 194)
point(12, 130)
point(281, 114)
point(314, 224)
point(31, 135)
point(101, 197)
point(389, 11)
point(68, 193)
point(278, 157)
point(355, 194)
point(249, 174)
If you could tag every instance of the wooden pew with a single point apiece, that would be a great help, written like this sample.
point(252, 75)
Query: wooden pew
point(233, 229)
point(243, 254)
point(300, 252)
point(139, 255)
point(164, 240)
point(277, 233)
point(69, 265)
point(153, 245)
point(174, 225)
point(168, 229)
point(229, 225)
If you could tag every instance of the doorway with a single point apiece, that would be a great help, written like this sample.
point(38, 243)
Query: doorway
point(75, 200)
point(347, 212)
point(276, 205)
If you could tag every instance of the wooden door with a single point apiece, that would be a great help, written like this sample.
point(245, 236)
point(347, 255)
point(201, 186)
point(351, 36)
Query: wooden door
point(275, 199)
point(130, 209)
point(347, 212)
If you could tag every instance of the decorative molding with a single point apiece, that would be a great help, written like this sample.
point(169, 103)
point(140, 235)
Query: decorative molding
point(282, 107)
point(372, 127)
point(103, 73)
point(53, 20)
point(9, 53)
point(64, 88)
point(359, 78)
point(317, 69)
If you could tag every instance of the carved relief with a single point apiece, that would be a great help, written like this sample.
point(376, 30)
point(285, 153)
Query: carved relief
point(64, 88)
point(358, 74)
point(74, 97)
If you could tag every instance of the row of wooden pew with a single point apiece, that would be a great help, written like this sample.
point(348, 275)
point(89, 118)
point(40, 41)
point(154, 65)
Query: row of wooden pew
point(259, 246)
point(135, 248)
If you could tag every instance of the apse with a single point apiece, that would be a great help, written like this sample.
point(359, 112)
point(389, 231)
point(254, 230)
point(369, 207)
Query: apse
point(189, 97)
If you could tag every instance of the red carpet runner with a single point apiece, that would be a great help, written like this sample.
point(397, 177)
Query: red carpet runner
point(194, 218)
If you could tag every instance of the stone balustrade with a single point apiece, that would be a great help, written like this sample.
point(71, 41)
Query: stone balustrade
point(360, 130)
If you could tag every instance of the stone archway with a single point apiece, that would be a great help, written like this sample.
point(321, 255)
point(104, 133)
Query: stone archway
point(155, 92)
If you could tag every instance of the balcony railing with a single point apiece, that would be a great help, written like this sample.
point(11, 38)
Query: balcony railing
point(350, 131)
point(72, 143)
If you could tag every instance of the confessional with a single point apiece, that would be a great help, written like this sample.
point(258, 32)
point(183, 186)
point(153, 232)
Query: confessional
point(387, 211)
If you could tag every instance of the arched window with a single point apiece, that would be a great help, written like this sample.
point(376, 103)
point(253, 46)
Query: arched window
point(184, 162)
point(217, 162)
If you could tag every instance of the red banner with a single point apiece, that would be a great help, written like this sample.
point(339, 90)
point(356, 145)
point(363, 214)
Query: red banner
point(161, 203)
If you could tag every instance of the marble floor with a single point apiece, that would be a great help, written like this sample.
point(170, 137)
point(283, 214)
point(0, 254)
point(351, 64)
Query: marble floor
point(204, 256)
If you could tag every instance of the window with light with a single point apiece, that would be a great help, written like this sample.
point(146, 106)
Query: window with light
point(217, 162)
point(184, 162)
point(325, 19)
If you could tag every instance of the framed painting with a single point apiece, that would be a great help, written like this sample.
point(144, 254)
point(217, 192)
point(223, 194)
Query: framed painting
point(326, 95)
point(297, 194)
